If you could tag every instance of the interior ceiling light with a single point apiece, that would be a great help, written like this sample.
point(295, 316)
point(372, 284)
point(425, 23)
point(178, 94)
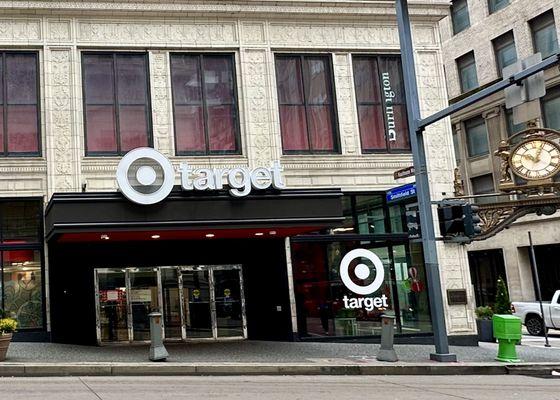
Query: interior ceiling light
point(210, 235)
point(104, 237)
point(259, 234)
point(272, 232)
point(156, 236)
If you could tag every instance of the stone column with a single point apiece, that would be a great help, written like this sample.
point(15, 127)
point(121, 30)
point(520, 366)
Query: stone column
point(160, 88)
point(62, 143)
point(347, 113)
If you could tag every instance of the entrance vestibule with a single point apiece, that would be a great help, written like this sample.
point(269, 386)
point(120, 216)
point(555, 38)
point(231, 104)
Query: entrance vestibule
point(197, 302)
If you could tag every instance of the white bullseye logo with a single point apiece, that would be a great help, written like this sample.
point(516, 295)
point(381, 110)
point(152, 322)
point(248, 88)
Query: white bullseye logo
point(362, 271)
point(145, 176)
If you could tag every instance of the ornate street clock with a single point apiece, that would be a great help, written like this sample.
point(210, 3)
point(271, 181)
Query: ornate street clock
point(535, 159)
point(533, 156)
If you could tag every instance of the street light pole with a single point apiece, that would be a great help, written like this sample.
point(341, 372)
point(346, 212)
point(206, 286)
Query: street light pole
point(422, 187)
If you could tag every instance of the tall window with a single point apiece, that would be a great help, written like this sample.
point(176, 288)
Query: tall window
point(381, 103)
point(545, 39)
point(495, 5)
point(467, 72)
point(19, 100)
point(205, 104)
point(460, 16)
point(306, 100)
point(116, 102)
point(504, 50)
point(551, 108)
point(21, 246)
point(477, 137)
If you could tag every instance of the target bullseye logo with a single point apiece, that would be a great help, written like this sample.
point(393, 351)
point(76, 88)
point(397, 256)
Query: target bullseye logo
point(145, 176)
point(362, 271)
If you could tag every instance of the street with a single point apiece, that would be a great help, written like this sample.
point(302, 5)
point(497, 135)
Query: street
point(281, 387)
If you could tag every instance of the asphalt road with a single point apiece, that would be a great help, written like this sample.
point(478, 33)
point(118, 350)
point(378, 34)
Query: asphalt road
point(281, 387)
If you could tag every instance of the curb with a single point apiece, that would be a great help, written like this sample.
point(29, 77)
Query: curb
point(184, 369)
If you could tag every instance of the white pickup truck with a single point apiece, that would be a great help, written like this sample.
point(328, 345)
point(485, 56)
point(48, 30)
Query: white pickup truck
point(530, 314)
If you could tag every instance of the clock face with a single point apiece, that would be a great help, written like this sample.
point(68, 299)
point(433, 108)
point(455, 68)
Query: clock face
point(536, 159)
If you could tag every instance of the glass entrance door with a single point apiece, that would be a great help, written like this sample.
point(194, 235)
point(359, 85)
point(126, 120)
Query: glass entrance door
point(112, 310)
point(213, 302)
point(228, 298)
point(197, 303)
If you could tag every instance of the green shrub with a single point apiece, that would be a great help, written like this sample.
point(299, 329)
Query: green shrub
point(7, 325)
point(484, 312)
point(502, 304)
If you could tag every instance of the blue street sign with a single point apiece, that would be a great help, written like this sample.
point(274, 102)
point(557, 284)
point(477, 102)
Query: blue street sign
point(401, 192)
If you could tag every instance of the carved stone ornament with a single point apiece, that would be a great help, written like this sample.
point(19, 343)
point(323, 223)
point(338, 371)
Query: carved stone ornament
point(495, 217)
point(458, 186)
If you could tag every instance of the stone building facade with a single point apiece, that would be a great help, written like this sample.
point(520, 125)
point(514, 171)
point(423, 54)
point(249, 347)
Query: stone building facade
point(493, 34)
point(255, 33)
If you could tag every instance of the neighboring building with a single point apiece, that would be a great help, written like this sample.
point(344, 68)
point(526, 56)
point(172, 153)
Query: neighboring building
point(218, 85)
point(479, 39)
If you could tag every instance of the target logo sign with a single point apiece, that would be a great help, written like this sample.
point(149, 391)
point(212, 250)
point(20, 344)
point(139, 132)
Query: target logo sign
point(145, 176)
point(362, 272)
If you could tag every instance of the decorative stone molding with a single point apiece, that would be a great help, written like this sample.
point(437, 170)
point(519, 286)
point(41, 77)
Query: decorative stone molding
point(347, 114)
point(162, 117)
point(253, 33)
point(20, 30)
point(142, 32)
point(59, 30)
point(61, 141)
point(257, 99)
point(331, 35)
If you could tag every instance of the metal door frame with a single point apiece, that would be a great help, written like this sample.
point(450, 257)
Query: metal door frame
point(211, 287)
point(211, 284)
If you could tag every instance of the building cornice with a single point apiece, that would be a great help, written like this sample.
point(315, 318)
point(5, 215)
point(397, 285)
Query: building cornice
point(426, 9)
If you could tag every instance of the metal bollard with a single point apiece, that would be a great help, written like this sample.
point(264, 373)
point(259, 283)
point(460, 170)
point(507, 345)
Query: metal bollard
point(157, 349)
point(386, 351)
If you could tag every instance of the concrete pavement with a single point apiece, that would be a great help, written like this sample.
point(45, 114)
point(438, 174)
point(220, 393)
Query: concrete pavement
point(264, 358)
point(280, 388)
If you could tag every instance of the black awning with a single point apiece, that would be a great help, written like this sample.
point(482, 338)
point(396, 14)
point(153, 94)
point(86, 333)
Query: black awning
point(291, 208)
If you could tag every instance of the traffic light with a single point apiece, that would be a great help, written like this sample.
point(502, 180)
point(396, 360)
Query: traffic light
point(459, 219)
point(471, 220)
point(451, 219)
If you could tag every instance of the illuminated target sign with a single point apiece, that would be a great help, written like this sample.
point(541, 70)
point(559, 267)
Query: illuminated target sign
point(145, 176)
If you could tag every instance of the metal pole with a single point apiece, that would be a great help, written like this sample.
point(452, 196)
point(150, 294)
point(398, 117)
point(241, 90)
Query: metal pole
point(422, 187)
point(538, 286)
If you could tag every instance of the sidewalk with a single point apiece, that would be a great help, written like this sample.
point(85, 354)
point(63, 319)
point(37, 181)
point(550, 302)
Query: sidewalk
point(263, 358)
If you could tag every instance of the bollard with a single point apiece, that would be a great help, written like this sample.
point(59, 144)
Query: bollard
point(387, 351)
point(157, 349)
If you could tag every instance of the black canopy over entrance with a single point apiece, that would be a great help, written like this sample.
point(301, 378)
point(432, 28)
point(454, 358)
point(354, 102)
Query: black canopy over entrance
point(289, 211)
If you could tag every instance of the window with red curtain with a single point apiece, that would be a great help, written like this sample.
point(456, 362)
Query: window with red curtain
point(305, 96)
point(116, 102)
point(381, 104)
point(204, 104)
point(19, 100)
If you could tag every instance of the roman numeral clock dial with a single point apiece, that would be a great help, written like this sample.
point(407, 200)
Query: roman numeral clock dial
point(536, 159)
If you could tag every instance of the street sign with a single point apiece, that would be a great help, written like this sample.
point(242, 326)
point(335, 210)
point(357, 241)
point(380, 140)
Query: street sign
point(531, 88)
point(404, 172)
point(401, 193)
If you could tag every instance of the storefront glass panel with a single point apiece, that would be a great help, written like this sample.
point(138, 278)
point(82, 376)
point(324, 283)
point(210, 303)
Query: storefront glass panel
point(113, 310)
point(172, 301)
point(143, 300)
point(22, 281)
point(320, 293)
